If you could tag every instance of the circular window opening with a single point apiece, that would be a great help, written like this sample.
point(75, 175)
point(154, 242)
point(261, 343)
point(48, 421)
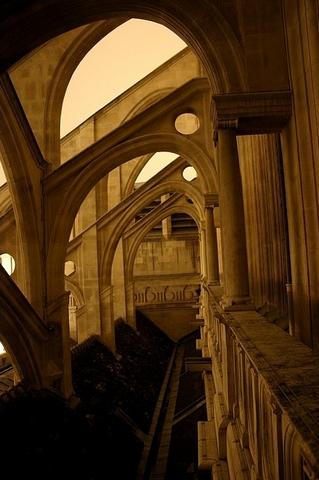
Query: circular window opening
point(8, 263)
point(189, 174)
point(69, 268)
point(187, 123)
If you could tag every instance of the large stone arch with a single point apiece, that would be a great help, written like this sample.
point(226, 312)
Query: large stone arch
point(76, 291)
point(226, 74)
point(149, 100)
point(22, 173)
point(77, 190)
point(136, 170)
point(188, 209)
point(71, 58)
point(210, 36)
point(117, 231)
point(135, 173)
point(24, 359)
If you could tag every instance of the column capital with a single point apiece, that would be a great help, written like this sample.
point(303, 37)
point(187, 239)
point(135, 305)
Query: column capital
point(202, 225)
point(211, 200)
point(252, 113)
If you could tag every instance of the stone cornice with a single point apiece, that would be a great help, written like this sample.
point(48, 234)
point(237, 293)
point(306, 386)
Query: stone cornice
point(211, 200)
point(253, 113)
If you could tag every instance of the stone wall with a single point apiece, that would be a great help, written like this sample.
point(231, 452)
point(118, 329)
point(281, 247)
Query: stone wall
point(165, 257)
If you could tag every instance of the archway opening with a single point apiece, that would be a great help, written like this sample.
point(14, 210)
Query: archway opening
point(155, 164)
point(72, 308)
point(104, 299)
point(8, 373)
point(7, 262)
point(3, 179)
point(166, 274)
point(113, 65)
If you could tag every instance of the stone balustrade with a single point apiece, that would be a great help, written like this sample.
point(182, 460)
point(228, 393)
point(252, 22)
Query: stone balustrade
point(262, 399)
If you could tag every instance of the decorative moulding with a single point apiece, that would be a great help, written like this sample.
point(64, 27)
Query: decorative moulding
point(252, 113)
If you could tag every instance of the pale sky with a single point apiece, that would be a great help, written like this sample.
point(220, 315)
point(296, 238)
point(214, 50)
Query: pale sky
point(155, 164)
point(118, 61)
point(2, 176)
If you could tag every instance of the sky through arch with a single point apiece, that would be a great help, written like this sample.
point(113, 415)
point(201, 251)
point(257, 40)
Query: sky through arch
point(114, 64)
point(3, 179)
point(156, 163)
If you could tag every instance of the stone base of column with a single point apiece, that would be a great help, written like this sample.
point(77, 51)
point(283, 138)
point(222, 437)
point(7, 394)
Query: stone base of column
point(233, 304)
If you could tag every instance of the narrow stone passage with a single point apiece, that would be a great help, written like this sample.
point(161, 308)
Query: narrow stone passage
point(174, 446)
point(159, 469)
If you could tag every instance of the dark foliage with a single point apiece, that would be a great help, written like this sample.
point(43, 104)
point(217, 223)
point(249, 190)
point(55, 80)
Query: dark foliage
point(42, 438)
point(131, 380)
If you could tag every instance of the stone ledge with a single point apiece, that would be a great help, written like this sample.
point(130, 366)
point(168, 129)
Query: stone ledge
point(198, 364)
point(289, 368)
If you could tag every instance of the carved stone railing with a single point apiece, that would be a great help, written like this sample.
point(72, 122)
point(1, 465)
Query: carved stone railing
point(262, 399)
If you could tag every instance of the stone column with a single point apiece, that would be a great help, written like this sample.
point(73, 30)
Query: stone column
point(167, 222)
point(119, 282)
point(211, 247)
point(300, 150)
point(202, 253)
point(81, 323)
point(88, 268)
point(130, 305)
point(244, 114)
point(236, 283)
point(58, 352)
point(107, 318)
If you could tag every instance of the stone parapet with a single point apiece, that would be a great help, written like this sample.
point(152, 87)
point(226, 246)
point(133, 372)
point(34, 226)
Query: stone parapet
point(265, 404)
